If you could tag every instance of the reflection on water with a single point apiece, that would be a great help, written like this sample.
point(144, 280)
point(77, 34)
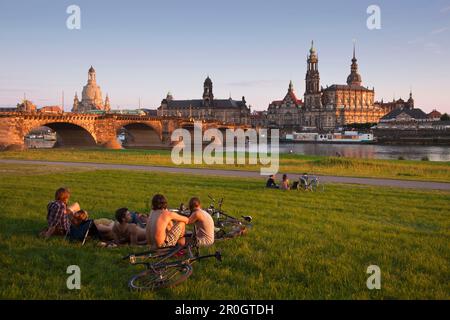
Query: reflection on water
point(366, 151)
point(433, 153)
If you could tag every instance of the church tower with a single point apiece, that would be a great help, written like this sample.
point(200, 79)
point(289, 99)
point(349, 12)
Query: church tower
point(313, 94)
point(354, 79)
point(410, 102)
point(208, 95)
point(76, 102)
point(107, 107)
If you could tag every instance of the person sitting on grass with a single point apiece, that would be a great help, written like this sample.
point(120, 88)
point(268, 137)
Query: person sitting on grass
point(271, 183)
point(285, 183)
point(57, 215)
point(165, 228)
point(125, 232)
point(204, 223)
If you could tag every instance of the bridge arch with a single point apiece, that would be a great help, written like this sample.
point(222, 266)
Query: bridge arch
point(137, 134)
point(68, 134)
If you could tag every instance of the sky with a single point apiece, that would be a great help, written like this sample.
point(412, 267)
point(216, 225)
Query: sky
point(252, 48)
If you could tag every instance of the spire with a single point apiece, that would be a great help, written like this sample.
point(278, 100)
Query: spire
point(291, 86)
point(411, 100)
point(354, 79)
point(354, 49)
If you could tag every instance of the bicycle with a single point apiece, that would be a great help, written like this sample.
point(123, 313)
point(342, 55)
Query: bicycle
point(311, 183)
point(163, 273)
point(227, 226)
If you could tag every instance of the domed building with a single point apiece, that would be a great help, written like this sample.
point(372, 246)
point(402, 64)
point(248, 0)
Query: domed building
point(91, 98)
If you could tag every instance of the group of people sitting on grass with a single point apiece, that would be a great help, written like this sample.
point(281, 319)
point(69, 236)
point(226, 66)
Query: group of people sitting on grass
point(161, 228)
point(285, 184)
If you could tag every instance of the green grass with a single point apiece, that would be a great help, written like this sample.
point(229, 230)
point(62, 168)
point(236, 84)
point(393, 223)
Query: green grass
point(302, 245)
point(390, 169)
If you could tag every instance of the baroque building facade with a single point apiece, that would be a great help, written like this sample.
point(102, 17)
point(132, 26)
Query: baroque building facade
point(207, 108)
point(352, 102)
point(91, 98)
point(325, 109)
point(285, 114)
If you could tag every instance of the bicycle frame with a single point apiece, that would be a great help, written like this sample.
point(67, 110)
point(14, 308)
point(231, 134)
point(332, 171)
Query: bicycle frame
point(189, 261)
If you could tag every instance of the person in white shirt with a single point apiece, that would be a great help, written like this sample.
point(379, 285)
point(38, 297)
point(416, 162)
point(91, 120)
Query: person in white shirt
point(204, 223)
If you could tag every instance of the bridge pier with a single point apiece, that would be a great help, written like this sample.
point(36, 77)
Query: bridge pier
point(11, 136)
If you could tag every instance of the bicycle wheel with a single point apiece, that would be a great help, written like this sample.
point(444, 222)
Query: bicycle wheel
point(230, 229)
point(165, 277)
point(317, 187)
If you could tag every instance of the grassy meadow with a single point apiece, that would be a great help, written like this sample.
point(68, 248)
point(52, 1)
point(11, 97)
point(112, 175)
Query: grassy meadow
point(389, 169)
point(302, 245)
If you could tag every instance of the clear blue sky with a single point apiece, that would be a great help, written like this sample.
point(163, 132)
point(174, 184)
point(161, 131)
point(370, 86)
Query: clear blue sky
point(250, 48)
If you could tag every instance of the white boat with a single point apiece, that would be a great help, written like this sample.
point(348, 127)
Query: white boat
point(50, 136)
point(345, 137)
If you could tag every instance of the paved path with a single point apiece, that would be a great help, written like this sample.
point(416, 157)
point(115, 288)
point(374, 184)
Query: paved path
point(246, 174)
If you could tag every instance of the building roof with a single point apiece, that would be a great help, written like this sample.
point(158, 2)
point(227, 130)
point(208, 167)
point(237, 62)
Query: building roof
point(416, 114)
point(217, 104)
point(290, 94)
point(50, 109)
point(346, 87)
point(434, 114)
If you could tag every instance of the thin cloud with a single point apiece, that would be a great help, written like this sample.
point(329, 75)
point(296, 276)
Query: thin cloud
point(438, 31)
point(446, 9)
point(433, 47)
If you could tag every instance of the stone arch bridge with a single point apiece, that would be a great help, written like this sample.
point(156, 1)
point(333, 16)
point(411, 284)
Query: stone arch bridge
point(84, 130)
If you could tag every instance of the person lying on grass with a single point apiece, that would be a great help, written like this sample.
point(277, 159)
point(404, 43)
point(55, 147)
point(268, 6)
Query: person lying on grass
point(165, 228)
point(204, 223)
point(125, 232)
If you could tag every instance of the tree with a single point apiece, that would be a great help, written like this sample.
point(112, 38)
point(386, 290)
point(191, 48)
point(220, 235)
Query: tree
point(445, 117)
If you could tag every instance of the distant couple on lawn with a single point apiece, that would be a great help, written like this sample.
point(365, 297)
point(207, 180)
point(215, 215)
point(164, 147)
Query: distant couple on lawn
point(161, 228)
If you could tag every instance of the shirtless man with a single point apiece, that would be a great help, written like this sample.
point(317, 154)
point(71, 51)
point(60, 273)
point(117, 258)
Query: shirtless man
point(165, 228)
point(125, 232)
point(204, 223)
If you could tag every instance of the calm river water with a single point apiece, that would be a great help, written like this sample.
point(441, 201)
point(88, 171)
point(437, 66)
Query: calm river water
point(433, 153)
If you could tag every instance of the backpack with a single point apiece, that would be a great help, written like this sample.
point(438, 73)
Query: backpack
point(81, 232)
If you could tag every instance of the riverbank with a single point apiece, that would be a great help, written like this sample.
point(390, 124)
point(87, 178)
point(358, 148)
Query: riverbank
point(301, 246)
point(297, 164)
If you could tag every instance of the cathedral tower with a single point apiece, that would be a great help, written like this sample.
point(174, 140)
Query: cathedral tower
point(354, 79)
point(208, 96)
point(312, 93)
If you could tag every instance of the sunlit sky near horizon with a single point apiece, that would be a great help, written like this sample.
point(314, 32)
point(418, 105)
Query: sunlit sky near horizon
point(251, 48)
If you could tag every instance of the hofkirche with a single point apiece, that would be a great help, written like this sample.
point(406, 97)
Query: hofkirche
point(324, 109)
